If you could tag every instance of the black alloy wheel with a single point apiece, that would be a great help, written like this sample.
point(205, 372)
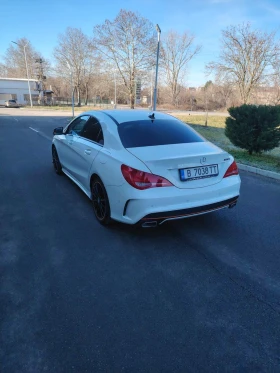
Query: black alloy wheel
point(56, 161)
point(100, 202)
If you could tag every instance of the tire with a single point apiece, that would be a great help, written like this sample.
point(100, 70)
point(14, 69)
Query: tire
point(56, 162)
point(100, 202)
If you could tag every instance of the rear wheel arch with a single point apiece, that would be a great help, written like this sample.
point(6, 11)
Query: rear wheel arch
point(93, 177)
point(105, 219)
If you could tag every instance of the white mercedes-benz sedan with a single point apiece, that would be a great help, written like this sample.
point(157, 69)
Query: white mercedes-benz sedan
point(145, 168)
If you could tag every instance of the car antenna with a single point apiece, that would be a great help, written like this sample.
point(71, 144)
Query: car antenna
point(152, 116)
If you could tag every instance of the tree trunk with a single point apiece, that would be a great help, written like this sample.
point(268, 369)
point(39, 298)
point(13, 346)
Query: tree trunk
point(132, 89)
point(131, 96)
point(173, 99)
point(174, 94)
point(132, 99)
point(79, 96)
point(86, 95)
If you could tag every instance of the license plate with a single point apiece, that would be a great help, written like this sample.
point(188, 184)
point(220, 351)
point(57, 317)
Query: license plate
point(201, 172)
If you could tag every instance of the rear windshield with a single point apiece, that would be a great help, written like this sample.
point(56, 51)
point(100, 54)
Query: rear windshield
point(13, 101)
point(156, 132)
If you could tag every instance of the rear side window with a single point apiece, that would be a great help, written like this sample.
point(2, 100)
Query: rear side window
point(93, 131)
point(156, 132)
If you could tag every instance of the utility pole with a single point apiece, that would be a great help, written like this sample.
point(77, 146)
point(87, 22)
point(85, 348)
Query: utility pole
point(27, 72)
point(151, 88)
point(156, 78)
point(41, 77)
point(73, 104)
point(206, 104)
point(115, 101)
point(72, 88)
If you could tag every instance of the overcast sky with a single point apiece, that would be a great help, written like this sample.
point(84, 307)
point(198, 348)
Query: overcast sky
point(42, 21)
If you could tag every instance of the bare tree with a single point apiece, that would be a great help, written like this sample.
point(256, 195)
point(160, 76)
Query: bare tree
point(3, 70)
point(91, 72)
point(74, 53)
point(14, 60)
point(59, 85)
point(247, 58)
point(177, 50)
point(274, 97)
point(273, 90)
point(224, 91)
point(129, 42)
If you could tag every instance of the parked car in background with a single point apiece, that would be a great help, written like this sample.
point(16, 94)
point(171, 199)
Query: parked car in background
point(11, 103)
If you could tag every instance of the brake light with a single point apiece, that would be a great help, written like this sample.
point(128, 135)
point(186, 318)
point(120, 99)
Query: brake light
point(143, 180)
point(232, 170)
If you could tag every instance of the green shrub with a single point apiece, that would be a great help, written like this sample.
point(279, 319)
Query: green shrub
point(254, 128)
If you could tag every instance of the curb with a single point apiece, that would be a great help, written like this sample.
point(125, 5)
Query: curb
point(259, 171)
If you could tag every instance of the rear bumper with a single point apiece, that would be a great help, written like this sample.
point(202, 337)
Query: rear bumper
point(161, 217)
point(131, 206)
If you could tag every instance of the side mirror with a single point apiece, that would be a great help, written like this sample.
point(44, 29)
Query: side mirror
point(58, 131)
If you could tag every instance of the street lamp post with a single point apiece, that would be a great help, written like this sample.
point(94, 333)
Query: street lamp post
point(151, 103)
point(115, 78)
point(27, 72)
point(72, 88)
point(155, 89)
point(115, 102)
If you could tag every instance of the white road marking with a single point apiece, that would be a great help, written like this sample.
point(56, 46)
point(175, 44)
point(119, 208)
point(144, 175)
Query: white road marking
point(33, 129)
point(41, 134)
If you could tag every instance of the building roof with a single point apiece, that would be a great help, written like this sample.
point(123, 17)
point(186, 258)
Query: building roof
point(24, 80)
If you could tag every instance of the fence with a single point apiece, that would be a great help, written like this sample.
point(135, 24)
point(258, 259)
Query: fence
point(67, 101)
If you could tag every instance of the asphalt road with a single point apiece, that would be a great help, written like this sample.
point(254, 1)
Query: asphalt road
point(196, 295)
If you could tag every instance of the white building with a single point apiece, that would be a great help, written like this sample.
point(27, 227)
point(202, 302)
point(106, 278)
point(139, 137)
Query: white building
point(17, 89)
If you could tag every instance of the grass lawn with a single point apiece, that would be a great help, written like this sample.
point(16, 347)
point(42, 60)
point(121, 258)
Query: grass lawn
point(214, 132)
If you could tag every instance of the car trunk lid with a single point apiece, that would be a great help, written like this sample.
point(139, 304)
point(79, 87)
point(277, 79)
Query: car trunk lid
point(168, 160)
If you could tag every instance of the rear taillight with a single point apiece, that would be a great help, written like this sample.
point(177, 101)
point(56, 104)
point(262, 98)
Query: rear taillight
point(143, 180)
point(232, 170)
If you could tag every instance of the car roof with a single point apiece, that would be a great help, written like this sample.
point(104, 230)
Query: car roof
point(121, 116)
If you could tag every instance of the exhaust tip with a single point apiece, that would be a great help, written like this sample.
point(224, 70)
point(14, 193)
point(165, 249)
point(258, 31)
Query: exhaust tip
point(149, 224)
point(232, 205)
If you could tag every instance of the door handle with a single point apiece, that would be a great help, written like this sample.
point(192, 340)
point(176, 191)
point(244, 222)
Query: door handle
point(87, 152)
